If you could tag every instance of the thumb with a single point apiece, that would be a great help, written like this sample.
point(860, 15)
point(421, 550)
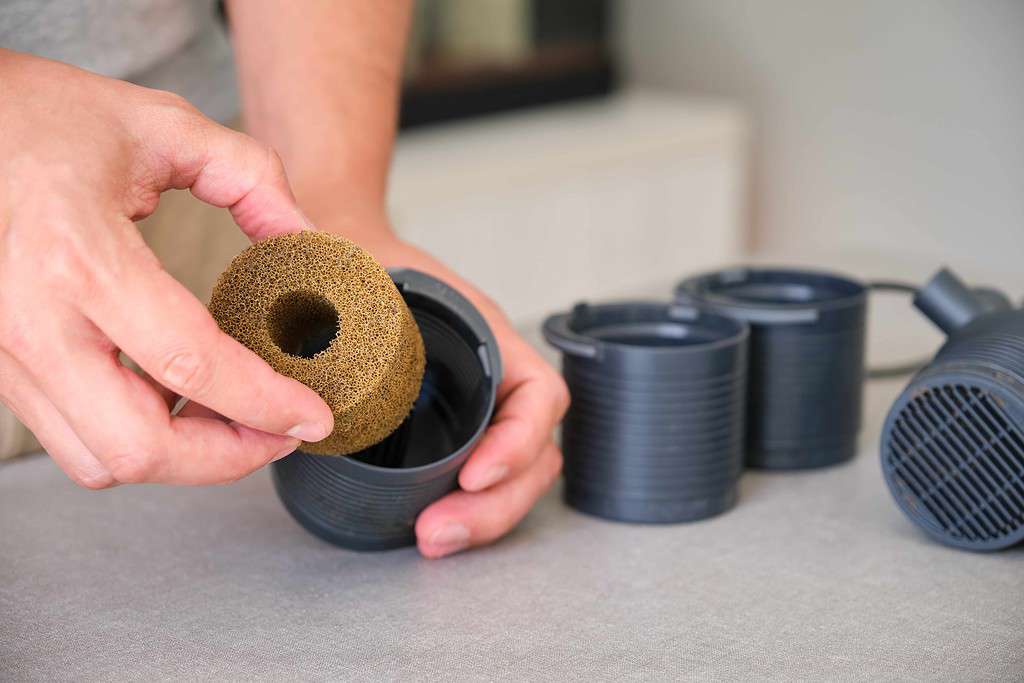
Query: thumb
point(229, 169)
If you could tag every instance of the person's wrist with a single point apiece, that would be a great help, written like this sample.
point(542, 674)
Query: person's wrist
point(365, 222)
point(370, 228)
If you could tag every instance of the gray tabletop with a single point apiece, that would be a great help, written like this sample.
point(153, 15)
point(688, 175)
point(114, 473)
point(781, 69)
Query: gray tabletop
point(814, 575)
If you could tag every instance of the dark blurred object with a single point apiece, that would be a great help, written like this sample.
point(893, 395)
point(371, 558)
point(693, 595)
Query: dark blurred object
point(570, 21)
point(473, 57)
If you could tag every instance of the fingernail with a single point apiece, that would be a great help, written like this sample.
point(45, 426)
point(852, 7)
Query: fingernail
point(288, 450)
point(450, 538)
point(491, 477)
point(308, 431)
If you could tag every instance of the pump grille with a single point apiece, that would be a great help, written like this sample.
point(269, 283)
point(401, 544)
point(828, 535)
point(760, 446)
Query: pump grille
point(956, 460)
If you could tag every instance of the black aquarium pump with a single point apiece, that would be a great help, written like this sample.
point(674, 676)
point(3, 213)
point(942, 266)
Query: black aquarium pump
point(953, 443)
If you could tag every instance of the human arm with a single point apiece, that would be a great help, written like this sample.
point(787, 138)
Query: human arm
point(320, 83)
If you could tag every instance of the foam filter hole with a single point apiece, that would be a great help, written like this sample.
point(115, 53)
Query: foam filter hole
point(302, 323)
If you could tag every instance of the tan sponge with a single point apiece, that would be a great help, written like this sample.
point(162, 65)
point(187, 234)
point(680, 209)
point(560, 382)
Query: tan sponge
point(319, 309)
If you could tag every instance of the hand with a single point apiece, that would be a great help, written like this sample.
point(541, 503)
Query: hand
point(516, 460)
point(81, 156)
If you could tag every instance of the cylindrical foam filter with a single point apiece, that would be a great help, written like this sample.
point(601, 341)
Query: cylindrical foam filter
point(370, 500)
point(952, 446)
point(655, 429)
point(319, 309)
point(806, 359)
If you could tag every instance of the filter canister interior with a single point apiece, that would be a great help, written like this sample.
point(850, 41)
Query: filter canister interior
point(806, 359)
point(370, 499)
point(655, 429)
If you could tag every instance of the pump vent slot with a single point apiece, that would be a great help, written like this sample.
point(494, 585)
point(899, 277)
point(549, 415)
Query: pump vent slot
point(957, 460)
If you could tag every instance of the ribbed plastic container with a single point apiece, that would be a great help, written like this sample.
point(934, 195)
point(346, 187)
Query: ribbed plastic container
point(807, 347)
point(655, 430)
point(952, 445)
point(370, 500)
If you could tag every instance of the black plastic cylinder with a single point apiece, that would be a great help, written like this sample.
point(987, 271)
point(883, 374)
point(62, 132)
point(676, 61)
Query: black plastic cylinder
point(655, 429)
point(370, 500)
point(807, 343)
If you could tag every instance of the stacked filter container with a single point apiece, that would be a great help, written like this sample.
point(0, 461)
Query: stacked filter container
point(807, 347)
point(655, 429)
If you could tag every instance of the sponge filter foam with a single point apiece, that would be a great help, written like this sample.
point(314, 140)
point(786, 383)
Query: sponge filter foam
point(321, 310)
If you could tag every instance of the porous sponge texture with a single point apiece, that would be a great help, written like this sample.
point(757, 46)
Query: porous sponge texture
point(284, 289)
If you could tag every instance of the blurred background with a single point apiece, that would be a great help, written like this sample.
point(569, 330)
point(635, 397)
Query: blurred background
point(563, 150)
point(560, 150)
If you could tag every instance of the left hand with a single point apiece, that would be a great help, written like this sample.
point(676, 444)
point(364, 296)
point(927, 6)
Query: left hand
point(517, 459)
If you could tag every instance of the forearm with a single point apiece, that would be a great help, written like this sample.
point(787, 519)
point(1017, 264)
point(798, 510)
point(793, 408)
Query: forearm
point(320, 83)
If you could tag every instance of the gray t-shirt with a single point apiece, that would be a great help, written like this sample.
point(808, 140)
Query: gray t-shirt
point(176, 45)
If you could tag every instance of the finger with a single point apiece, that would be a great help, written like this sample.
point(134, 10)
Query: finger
point(521, 429)
point(226, 168)
point(125, 424)
point(234, 451)
point(462, 519)
point(172, 337)
point(170, 398)
point(51, 429)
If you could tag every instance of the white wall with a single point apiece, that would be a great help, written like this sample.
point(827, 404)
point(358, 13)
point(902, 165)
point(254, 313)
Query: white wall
point(879, 124)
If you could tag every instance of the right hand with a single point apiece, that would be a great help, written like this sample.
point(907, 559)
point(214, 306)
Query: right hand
point(81, 157)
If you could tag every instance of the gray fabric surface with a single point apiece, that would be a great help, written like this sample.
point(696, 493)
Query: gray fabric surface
point(813, 576)
point(175, 45)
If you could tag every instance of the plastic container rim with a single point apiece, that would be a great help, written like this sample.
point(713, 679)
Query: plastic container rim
point(557, 329)
point(695, 290)
point(421, 284)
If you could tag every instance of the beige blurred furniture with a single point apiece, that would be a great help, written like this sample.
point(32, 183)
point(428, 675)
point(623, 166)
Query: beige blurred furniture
point(539, 208)
point(14, 439)
point(581, 201)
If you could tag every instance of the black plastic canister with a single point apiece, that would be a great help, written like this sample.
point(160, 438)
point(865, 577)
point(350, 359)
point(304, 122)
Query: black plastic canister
point(370, 500)
point(806, 359)
point(655, 429)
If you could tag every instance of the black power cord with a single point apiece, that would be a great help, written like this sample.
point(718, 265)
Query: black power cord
point(902, 369)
